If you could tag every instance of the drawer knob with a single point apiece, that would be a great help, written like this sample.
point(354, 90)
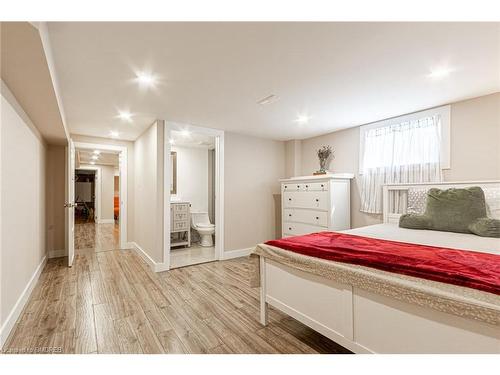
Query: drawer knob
point(298, 186)
point(307, 186)
point(317, 217)
point(290, 215)
point(289, 199)
point(321, 185)
point(317, 200)
point(289, 228)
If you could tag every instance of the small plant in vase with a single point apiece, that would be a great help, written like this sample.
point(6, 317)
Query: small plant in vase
point(325, 155)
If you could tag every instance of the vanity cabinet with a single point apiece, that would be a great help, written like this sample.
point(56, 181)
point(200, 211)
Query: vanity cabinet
point(315, 203)
point(180, 224)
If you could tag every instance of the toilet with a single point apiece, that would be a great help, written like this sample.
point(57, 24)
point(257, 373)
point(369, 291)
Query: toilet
point(201, 223)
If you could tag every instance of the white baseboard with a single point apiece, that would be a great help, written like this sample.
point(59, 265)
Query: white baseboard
point(57, 253)
point(156, 267)
point(231, 254)
point(21, 302)
point(161, 267)
point(106, 221)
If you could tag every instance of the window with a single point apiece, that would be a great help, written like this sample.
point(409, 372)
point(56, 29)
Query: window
point(407, 149)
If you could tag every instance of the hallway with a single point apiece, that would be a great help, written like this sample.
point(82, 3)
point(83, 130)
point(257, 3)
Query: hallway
point(100, 237)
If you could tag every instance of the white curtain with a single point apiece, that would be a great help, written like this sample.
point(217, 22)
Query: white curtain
point(407, 152)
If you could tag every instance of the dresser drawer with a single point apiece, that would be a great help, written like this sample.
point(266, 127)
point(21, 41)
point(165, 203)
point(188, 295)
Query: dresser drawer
point(317, 186)
point(298, 229)
point(294, 187)
point(305, 216)
point(306, 186)
point(181, 207)
point(180, 225)
point(302, 199)
point(180, 216)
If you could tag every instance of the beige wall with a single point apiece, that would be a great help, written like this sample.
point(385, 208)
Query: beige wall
point(251, 172)
point(149, 192)
point(475, 145)
point(293, 163)
point(475, 139)
point(22, 205)
point(107, 192)
point(55, 195)
point(130, 175)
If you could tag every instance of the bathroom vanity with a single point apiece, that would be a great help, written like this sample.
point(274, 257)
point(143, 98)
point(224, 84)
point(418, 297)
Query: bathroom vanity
point(180, 224)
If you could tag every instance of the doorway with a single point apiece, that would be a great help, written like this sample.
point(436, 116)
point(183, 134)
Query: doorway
point(99, 206)
point(97, 213)
point(195, 213)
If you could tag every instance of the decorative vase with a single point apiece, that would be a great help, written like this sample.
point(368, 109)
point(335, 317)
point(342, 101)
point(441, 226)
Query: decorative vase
point(325, 154)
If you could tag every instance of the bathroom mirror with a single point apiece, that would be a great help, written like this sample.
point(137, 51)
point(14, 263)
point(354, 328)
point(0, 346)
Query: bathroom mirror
point(173, 172)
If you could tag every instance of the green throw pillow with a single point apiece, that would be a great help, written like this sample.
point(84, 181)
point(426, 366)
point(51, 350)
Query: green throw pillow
point(486, 227)
point(414, 221)
point(450, 210)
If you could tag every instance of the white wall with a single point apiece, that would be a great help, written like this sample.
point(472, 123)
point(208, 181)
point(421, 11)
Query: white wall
point(253, 167)
point(22, 197)
point(149, 192)
point(192, 176)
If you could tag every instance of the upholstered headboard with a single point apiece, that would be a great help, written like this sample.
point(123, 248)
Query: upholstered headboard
point(411, 198)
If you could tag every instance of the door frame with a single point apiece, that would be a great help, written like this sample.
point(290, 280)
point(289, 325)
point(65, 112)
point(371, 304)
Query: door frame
point(219, 186)
point(123, 167)
point(97, 170)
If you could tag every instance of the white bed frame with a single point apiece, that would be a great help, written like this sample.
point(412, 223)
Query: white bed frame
point(367, 322)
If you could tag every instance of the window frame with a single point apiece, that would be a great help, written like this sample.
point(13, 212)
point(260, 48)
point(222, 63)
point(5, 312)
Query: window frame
point(445, 114)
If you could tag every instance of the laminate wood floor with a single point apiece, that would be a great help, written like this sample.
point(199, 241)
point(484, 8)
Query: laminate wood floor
point(111, 302)
point(100, 237)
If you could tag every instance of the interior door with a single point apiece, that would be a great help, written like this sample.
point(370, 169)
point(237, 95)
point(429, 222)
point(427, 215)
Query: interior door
point(70, 203)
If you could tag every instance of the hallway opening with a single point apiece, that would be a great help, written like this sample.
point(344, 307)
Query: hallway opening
point(97, 210)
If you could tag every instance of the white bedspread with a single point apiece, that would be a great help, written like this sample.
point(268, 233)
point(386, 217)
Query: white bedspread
point(461, 241)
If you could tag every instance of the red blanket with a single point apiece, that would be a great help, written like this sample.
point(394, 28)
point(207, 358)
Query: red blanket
point(459, 267)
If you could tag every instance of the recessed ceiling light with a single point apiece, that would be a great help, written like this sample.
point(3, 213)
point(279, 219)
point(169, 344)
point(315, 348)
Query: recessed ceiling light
point(302, 119)
point(146, 79)
point(440, 72)
point(113, 134)
point(95, 157)
point(97, 152)
point(92, 162)
point(125, 115)
point(171, 141)
point(185, 133)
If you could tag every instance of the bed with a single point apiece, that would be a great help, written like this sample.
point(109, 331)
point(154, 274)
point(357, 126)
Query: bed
point(370, 310)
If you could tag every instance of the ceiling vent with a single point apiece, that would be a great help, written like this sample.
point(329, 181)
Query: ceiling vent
point(268, 100)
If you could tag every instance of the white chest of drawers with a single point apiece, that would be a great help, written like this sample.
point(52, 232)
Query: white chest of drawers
point(315, 203)
point(180, 224)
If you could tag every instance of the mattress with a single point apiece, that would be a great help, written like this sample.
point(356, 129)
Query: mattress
point(461, 241)
point(461, 301)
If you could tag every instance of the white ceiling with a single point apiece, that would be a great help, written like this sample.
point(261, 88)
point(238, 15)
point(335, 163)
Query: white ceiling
point(84, 156)
point(212, 74)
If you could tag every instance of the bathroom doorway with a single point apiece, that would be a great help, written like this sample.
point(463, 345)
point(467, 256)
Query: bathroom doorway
point(194, 181)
